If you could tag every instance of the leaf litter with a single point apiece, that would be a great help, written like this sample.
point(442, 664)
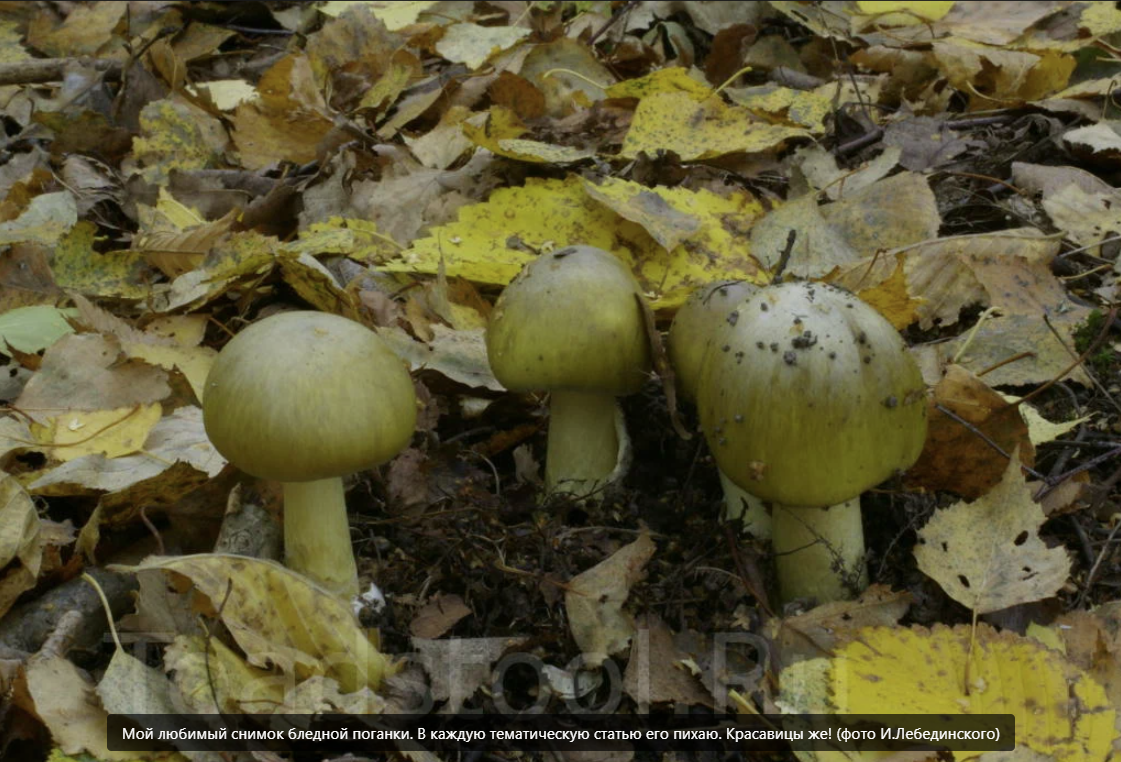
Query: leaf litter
point(398, 164)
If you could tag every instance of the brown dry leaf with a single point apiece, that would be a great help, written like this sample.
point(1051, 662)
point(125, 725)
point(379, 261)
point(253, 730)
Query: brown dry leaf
point(86, 30)
point(407, 484)
point(818, 631)
point(955, 459)
point(83, 372)
point(998, 77)
point(457, 667)
point(987, 555)
point(567, 74)
point(288, 122)
point(438, 616)
point(281, 618)
point(655, 672)
point(594, 601)
point(21, 542)
point(1046, 180)
point(1093, 642)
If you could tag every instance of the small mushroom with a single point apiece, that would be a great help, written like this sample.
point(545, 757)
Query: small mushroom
point(304, 398)
point(690, 340)
point(571, 324)
point(820, 433)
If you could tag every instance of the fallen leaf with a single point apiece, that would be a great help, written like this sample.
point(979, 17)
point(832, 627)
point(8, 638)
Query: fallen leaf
point(594, 601)
point(33, 329)
point(112, 433)
point(655, 673)
point(21, 542)
point(964, 670)
point(957, 459)
point(987, 555)
point(83, 372)
point(68, 705)
point(281, 618)
point(695, 131)
point(472, 44)
point(457, 667)
point(438, 616)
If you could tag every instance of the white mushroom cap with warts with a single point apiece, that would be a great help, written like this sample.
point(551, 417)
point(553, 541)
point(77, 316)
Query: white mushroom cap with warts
point(811, 396)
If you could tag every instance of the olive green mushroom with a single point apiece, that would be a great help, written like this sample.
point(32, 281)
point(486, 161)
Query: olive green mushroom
point(305, 398)
point(807, 400)
point(695, 325)
point(571, 324)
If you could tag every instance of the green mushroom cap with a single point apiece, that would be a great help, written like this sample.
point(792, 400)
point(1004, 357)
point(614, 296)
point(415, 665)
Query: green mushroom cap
point(809, 397)
point(303, 396)
point(570, 321)
point(695, 324)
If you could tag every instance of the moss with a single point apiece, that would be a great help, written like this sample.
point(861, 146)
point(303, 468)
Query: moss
point(1100, 361)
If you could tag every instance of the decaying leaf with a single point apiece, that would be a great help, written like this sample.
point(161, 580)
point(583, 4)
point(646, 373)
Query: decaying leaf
point(594, 601)
point(956, 457)
point(280, 618)
point(988, 555)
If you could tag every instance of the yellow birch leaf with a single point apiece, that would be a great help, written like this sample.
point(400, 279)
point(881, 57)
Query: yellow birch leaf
point(490, 242)
point(672, 80)
point(675, 121)
point(1059, 710)
point(892, 299)
point(110, 432)
point(905, 12)
point(281, 618)
point(987, 555)
point(77, 266)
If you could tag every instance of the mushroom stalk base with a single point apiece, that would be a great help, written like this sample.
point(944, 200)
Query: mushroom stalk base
point(583, 447)
point(317, 535)
point(748, 510)
point(819, 552)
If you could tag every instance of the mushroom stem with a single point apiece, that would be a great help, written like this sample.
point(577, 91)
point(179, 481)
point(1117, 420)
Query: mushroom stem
point(583, 444)
point(317, 535)
point(819, 551)
point(745, 508)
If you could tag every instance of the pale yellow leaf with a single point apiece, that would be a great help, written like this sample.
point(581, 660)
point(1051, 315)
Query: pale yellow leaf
point(281, 618)
point(113, 433)
point(594, 601)
point(987, 555)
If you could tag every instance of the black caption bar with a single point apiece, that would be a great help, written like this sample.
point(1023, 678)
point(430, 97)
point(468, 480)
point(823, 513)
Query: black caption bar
point(320, 734)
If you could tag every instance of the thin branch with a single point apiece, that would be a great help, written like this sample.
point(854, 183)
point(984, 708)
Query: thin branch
point(37, 71)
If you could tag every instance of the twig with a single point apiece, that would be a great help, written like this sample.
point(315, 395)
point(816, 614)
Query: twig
point(40, 70)
point(1101, 388)
point(784, 258)
point(987, 440)
point(611, 21)
point(1089, 351)
point(863, 141)
point(1106, 485)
